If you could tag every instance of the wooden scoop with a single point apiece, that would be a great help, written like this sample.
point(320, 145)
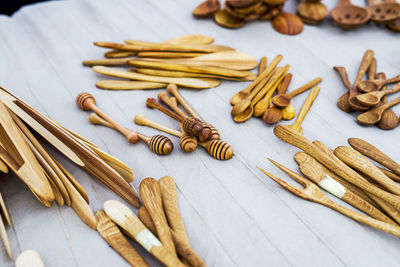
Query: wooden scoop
point(343, 101)
point(349, 16)
point(383, 12)
point(304, 109)
point(375, 85)
point(373, 98)
point(284, 100)
point(374, 115)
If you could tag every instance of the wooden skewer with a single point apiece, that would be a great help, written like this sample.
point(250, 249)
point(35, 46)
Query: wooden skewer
point(3, 167)
point(374, 153)
point(150, 193)
point(292, 137)
point(111, 233)
point(29, 258)
point(217, 149)
point(356, 160)
point(313, 193)
point(4, 238)
point(159, 144)
point(127, 220)
point(304, 109)
point(191, 126)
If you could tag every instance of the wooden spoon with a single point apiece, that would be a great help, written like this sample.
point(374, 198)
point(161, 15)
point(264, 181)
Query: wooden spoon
point(3, 167)
point(349, 16)
point(389, 119)
point(304, 109)
point(373, 98)
point(200, 83)
point(343, 101)
point(284, 100)
point(312, 12)
point(374, 85)
point(374, 115)
point(383, 12)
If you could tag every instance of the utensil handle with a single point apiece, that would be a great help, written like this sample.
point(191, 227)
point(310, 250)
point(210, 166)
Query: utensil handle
point(307, 105)
point(372, 70)
point(365, 63)
point(305, 87)
point(344, 76)
point(391, 103)
point(394, 89)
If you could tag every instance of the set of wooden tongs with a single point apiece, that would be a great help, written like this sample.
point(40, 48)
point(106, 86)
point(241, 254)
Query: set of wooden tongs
point(194, 130)
point(348, 174)
point(158, 227)
point(20, 151)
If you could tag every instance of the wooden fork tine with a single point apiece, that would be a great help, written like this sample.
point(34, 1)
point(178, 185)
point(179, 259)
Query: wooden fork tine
point(297, 177)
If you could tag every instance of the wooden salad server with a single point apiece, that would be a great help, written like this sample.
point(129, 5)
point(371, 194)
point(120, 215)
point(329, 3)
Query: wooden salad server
point(29, 258)
point(128, 221)
point(328, 183)
point(170, 55)
point(374, 153)
point(197, 39)
point(16, 153)
point(349, 16)
point(198, 83)
point(114, 237)
point(71, 147)
point(292, 137)
point(343, 101)
point(374, 115)
point(304, 109)
point(373, 98)
point(312, 192)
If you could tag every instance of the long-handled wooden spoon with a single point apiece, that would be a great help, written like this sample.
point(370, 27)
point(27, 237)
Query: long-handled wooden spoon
point(29, 258)
point(159, 144)
point(343, 101)
point(304, 109)
point(376, 84)
point(374, 115)
point(292, 137)
point(349, 16)
point(389, 119)
point(313, 193)
point(111, 233)
point(373, 98)
point(285, 99)
point(199, 83)
point(127, 220)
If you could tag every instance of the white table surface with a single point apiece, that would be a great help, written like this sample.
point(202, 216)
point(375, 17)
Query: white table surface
point(234, 215)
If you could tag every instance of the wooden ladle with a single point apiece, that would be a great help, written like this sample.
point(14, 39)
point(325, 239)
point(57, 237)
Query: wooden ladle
point(284, 100)
point(374, 85)
point(373, 98)
point(383, 12)
point(374, 115)
point(349, 16)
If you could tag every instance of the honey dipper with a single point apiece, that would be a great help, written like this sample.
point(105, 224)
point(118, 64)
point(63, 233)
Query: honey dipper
point(159, 144)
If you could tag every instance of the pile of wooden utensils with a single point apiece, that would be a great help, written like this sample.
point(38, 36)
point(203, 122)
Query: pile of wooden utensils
point(49, 181)
point(258, 98)
point(236, 13)
point(370, 96)
point(348, 174)
point(191, 61)
point(194, 130)
point(159, 228)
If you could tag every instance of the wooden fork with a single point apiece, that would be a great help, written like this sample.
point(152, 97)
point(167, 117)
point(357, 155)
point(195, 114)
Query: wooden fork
point(312, 192)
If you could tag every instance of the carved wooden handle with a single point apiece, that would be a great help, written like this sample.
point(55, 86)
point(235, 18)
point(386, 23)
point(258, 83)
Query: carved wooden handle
point(152, 103)
point(173, 90)
point(365, 63)
point(304, 109)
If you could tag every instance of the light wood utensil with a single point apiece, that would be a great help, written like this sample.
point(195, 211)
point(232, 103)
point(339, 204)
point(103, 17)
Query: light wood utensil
point(383, 12)
point(199, 83)
point(191, 126)
point(150, 193)
point(389, 119)
point(338, 190)
point(119, 54)
point(292, 137)
point(312, 12)
point(374, 115)
point(159, 144)
point(226, 59)
point(353, 92)
point(23, 162)
point(349, 16)
point(371, 72)
point(4, 237)
point(174, 65)
point(373, 98)
point(108, 62)
point(376, 84)
point(262, 65)
point(3, 167)
point(128, 85)
point(146, 219)
point(29, 258)
point(111, 233)
point(390, 174)
point(206, 9)
point(225, 19)
point(184, 74)
point(313, 193)
point(140, 46)
point(127, 220)
point(284, 100)
point(374, 153)
point(287, 23)
point(169, 54)
point(4, 210)
point(261, 79)
point(304, 109)
point(192, 39)
point(343, 101)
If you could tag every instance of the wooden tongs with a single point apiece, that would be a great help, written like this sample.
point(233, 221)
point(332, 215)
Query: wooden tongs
point(15, 152)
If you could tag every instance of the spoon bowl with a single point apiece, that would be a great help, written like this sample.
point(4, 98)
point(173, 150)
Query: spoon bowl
point(383, 13)
point(245, 115)
point(368, 100)
point(349, 16)
point(368, 118)
point(367, 86)
point(240, 107)
point(281, 101)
